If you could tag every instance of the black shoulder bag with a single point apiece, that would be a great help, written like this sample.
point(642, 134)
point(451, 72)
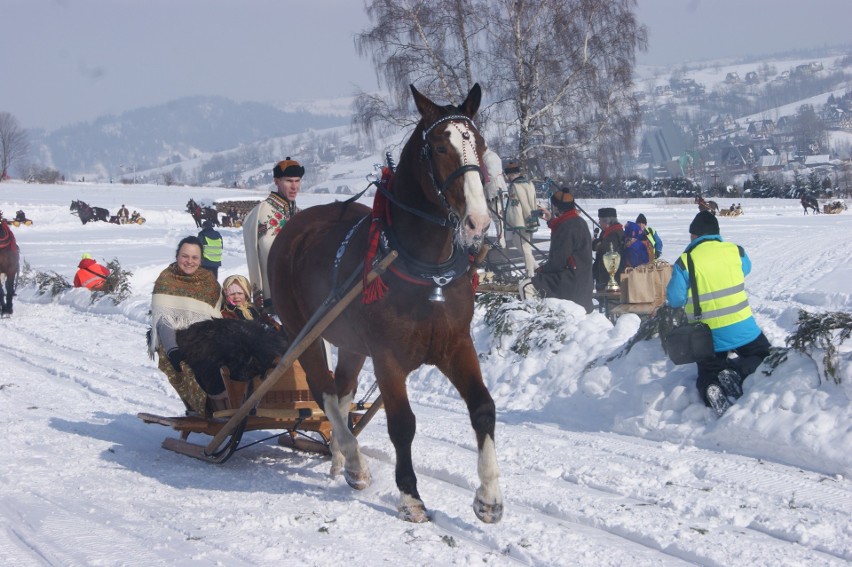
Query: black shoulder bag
point(694, 341)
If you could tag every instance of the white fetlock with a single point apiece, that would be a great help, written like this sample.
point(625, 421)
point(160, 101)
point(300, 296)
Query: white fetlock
point(412, 509)
point(489, 511)
point(358, 480)
point(336, 459)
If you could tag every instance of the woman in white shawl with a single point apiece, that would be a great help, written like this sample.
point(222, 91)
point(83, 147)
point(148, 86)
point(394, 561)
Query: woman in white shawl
point(183, 295)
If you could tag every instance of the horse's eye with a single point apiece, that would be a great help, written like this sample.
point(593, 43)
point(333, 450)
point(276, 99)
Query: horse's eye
point(441, 149)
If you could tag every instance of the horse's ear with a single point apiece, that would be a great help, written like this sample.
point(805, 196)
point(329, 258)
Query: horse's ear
point(427, 109)
point(471, 103)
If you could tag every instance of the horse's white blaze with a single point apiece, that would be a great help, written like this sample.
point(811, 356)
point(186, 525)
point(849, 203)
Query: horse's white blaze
point(489, 474)
point(476, 218)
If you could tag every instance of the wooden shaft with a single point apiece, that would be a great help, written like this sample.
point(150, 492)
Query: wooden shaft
point(294, 352)
point(368, 415)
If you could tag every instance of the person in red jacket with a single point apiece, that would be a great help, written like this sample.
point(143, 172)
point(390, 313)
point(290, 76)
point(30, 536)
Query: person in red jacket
point(90, 274)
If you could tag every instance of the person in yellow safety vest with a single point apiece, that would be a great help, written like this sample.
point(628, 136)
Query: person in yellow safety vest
point(211, 240)
point(651, 235)
point(90, 274)
point(720, 268)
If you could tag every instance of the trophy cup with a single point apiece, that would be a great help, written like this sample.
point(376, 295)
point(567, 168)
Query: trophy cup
point(611, 261)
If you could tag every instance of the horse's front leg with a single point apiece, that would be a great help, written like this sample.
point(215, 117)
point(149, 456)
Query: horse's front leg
point(346, 382)
point(462, 368)
point(401, 428)
point(344, 446)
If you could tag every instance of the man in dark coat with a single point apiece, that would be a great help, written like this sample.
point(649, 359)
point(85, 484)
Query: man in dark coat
point(567, 274)
point(613, 234)
point(211, 251)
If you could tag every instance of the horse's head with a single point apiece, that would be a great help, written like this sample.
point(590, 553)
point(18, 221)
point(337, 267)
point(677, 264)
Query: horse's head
point(75, 205)
point(453, 148)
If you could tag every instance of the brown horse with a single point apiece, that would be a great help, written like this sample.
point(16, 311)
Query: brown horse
point(88, 213)
point(9, 266)
point(703, 205)
point(201, 214)
point(809, 202)
point(431, 212)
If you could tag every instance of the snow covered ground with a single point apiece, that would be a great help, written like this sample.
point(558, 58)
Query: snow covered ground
point(602, 463)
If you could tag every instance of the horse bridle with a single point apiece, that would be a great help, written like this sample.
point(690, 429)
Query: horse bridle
point(426, 154)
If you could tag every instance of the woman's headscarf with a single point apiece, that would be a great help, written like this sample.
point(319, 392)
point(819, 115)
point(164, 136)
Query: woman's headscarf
point(243, 283)
point(183, 300)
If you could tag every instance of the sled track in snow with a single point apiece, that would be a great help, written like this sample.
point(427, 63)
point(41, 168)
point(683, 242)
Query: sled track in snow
point(724, 493)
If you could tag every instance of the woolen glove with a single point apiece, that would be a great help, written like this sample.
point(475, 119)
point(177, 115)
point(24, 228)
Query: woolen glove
point(175, 357)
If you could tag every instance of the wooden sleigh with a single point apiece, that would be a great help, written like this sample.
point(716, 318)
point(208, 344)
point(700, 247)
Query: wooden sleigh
point(280, 401)
point(287, 406)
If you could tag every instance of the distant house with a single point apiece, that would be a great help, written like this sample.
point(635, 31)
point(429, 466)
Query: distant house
point(732, 78)
point(737, 157)
point(770, 161)
point(760, 129)
point(821, 159)
point(752, 78)
point(721, 124)
point(836, 117)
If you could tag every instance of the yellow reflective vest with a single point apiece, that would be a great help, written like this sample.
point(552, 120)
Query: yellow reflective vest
point(721, 284)
point(212, 249)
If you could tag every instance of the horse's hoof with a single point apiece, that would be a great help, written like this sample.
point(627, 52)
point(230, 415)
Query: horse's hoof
point(414, 513)
point(358, 481)
point(488, 513)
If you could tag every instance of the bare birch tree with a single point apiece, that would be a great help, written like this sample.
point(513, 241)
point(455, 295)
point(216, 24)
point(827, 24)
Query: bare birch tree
point(557, 74)
point(13, 143)
point(430, 43)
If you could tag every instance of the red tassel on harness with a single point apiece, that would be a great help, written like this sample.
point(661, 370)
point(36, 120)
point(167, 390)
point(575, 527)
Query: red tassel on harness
point(376, 289)
point(7, 237)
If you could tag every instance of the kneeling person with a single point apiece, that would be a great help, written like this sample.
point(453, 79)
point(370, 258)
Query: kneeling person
point(720, 270)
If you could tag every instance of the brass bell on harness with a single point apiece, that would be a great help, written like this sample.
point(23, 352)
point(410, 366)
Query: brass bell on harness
point(437, 295)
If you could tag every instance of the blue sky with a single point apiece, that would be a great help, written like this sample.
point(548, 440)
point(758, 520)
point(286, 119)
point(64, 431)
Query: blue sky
point(67, 61)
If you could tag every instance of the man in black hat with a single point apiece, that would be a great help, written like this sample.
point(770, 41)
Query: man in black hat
point(720, 270)
point(612, 238)
point(263, 223)
point(567, 273)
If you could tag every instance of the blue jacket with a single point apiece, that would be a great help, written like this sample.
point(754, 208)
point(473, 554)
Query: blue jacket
point(724, 338)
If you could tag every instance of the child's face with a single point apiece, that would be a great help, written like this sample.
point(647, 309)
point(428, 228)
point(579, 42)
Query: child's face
point(235, 295)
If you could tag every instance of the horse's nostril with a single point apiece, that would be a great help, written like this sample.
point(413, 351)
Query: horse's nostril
point(470, 223)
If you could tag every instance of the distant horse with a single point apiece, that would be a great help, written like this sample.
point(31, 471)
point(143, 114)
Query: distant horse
point(431, 212)
point(10, 256)
point(809, 202)
point(201, 214)
point(703, 205)
point(87, 213)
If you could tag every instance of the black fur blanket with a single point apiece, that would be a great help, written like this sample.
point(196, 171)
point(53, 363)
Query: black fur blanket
point(247, 348)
